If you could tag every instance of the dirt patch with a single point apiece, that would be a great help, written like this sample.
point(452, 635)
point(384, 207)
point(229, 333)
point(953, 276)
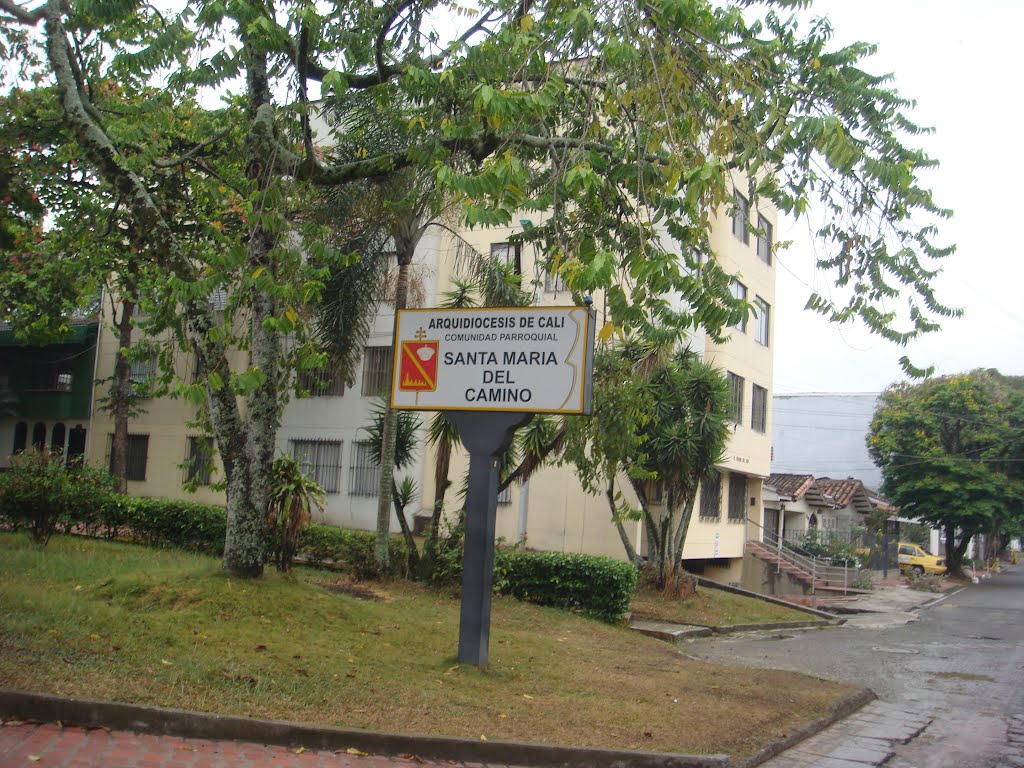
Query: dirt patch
point(963, 676)
point(358, 591)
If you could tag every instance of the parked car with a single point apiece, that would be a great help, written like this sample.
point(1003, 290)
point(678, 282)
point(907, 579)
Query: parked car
point(917, 559)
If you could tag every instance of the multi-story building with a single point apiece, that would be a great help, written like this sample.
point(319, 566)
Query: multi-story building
point(552, 510)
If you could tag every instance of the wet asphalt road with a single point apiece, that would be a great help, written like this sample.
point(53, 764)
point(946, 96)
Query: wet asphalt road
point(961, 663)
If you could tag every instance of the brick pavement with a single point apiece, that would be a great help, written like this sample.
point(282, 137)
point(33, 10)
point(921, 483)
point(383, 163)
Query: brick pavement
point(864, 739)
point(27, 745)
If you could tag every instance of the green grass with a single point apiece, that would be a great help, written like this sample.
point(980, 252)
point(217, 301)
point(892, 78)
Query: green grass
point(121, 622)
point(711, 608)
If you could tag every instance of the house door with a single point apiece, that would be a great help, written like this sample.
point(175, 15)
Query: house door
point(771, 526)
point(76, 445)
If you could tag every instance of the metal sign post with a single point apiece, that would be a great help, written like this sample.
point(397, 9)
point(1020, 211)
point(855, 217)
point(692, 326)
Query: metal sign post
point(486, 436)
point(489, 370)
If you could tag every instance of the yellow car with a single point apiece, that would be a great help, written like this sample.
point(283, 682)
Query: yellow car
point(917, 559)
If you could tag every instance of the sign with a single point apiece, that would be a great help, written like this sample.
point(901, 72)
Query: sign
point(528, 359)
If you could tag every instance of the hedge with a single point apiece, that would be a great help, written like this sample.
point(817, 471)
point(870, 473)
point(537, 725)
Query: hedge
point(596, 586)
point(166, 523)
point(349, 550)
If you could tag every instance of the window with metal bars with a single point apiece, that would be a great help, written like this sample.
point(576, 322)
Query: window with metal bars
point(758, 409)
point(376, 370)
point(138, 455)
point(741, 218)
point(320, 461)
point(505, 495)
point(199, 463)
point(735, 397)
point(141, 374)
point(764, 239)
point(737, 497)
point(509, 253)
point(711, 498)
point(364, 472)
point(322, 382)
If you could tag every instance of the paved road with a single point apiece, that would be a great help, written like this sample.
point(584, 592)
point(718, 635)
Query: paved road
point(959, 665)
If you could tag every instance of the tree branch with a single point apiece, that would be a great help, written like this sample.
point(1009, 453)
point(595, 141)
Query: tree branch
point(172, 162)
point(21, 15)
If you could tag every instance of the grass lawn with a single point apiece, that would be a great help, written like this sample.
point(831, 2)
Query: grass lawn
point(125, 623)
point(712, 608)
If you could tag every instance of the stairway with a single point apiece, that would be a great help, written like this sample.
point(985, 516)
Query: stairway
point(827, 579)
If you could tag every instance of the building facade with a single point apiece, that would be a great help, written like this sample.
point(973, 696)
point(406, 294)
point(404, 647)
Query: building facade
point(551, 511)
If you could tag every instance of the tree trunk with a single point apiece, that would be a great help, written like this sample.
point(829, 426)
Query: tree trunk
point(679, 537)
point(442, 466)
point(413, 558)
point(405, 247)
point(631, 554)
point(120, 397)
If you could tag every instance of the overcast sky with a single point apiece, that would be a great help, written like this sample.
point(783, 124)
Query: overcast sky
point(961, 62)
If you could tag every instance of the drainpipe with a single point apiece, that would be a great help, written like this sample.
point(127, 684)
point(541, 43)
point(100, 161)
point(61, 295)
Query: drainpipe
point(524, 508)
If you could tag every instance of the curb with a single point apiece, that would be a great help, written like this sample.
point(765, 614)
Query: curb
point(702, 581)
point(938, 599)
point(809, 624)
point(840, 710)
point(200, 725)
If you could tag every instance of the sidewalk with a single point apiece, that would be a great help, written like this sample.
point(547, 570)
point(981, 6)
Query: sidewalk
point(49, 744)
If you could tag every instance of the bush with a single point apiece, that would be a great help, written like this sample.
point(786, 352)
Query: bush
point(39, 490)
point(596, 586)
point(167, 523)
point(925, 582)
point(293, 496)
point(351, 551)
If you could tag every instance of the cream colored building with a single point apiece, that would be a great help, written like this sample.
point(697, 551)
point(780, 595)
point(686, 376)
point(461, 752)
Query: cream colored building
point(552, 509)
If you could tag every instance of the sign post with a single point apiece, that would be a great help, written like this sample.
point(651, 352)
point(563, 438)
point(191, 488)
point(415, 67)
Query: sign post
point(490, 370)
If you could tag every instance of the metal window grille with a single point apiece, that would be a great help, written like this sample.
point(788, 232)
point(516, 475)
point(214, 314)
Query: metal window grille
point(322, 382)
point(553, 283)
point(737, 496)
point(735, 397)
point(759, 409)
point(200, 460)
point(141, 373)
point(508, 254)
point(505, 495)
point(320, 461)
point(762, 313)
point(376, 370)
point(49, 377)
point(364, 472)
point(739, 292)
point(138, 455)
point(741, 218)
point(711, 497)
point(764, 240)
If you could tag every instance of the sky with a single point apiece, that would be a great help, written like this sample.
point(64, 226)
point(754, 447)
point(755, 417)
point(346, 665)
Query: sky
point(960, 61)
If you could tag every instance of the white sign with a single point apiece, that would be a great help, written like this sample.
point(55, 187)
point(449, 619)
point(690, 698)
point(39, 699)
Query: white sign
point(530, 359)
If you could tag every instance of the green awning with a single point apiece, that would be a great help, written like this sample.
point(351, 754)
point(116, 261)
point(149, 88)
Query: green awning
point(79, 333)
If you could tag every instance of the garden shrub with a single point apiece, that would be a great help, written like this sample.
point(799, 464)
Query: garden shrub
point(925, 582)
point(596, 586)
point(351, 551)
point(39, 490)
point(167, 523)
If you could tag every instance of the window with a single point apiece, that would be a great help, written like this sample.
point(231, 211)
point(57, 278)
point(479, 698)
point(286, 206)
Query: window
point(735, 397)
point(711, 497)
point(553, 283)
point(322, 382)
point(737, 497)
point(200, 460)
point(50, 377)
point(138, 453)
point(364, 472)
point(762, 313)
point(376, 371)
point(320, 461)
point(20, 437)
point(508, 253)
point(741, 218)
point(764, 239)
point(39, 436)
point(739, 292)
point(505, 495)
point(57, 436)
point(759, 409)
point(141, 374)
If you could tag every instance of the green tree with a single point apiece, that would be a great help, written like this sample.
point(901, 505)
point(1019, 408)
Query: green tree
point(628, 122)
point(945, 447)
point(660, 422)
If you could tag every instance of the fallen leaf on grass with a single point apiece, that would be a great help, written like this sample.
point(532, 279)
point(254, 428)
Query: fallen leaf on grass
point(502, 715)
point(166, 663)
point(260, 647)
point(527, 696)
point(354, 751)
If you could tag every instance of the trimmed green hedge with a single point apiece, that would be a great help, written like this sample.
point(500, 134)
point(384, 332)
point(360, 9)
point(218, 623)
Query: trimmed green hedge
point(166, 523)
point(596, 586)
point(351, 551)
